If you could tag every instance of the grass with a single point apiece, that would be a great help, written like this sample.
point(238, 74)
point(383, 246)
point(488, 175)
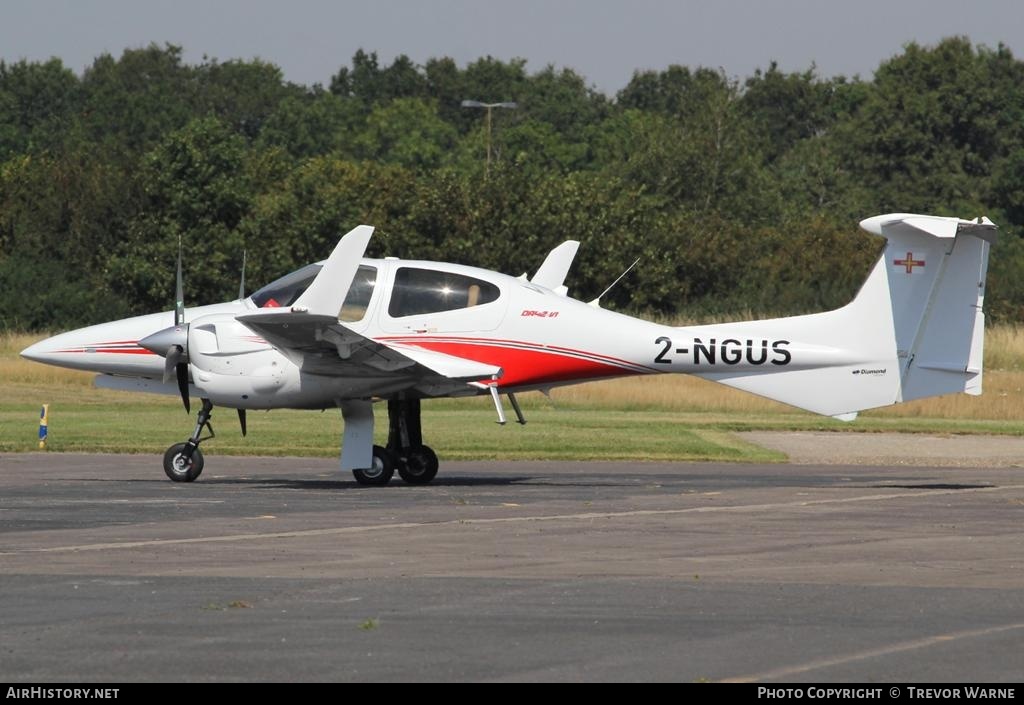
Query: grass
point(654, 418)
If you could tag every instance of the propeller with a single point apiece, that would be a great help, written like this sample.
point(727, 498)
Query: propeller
point(172, 343)
point(241, 284)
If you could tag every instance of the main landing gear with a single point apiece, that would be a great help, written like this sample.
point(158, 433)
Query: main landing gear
point(416, 463)
point(183, 462)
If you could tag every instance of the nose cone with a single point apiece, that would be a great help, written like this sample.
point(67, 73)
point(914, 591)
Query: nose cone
point(163, 340)
point(74, 350)
point(39, 352)
point(109, 348)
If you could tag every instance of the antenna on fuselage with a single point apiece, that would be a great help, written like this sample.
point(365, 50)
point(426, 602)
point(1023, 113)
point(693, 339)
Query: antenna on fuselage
point(597, 301)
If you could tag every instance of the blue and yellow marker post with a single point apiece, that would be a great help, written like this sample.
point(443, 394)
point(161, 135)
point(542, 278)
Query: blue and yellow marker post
point(44, 423)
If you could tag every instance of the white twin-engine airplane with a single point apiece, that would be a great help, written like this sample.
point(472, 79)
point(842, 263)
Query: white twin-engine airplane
point(350, 331)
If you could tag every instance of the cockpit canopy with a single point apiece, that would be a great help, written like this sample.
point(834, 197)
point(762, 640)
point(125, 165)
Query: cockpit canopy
point(416, 291)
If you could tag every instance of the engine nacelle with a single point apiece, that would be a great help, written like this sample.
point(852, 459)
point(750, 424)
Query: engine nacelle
point(232, 366)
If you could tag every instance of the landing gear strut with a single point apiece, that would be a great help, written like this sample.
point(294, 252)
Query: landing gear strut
point(416, 463)
point(183, 462)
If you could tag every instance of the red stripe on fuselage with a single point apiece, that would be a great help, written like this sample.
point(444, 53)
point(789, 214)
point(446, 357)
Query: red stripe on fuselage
point(526, 367)
point(115, 351)
point(502, 342)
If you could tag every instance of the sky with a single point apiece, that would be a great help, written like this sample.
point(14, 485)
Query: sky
point(603, 40)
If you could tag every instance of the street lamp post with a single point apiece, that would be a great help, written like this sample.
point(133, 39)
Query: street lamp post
point(488, 107)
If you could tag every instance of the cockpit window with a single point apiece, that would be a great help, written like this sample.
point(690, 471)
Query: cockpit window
point(419, 291)
point(286, 291)
point(358, 298)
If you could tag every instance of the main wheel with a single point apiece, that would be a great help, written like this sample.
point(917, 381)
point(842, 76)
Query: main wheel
point(380, 472)
point(178, 468)
point(418, 466)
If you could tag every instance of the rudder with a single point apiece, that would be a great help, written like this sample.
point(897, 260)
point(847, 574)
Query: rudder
point(936, 271)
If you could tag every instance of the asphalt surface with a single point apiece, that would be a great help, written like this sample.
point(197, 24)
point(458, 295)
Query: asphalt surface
point(283, 569)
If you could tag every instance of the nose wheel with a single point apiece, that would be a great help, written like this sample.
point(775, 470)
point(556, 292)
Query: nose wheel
point(183, 462)
point(181, 468)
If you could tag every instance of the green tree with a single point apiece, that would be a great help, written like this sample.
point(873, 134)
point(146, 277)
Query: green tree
point(312, 125)
point(372, 85)
point(406, 131)
point(788, 108)
point(132, 102)
point(243, 94)
point(931, 131)
point(196, 187)
point(38, 102)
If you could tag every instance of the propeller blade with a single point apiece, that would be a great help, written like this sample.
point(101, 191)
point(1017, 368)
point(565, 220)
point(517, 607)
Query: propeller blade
point(179, 293)
point(241, 419)
point(241, 285)
point(182, 371)
point(172, 344)
point(173, 357)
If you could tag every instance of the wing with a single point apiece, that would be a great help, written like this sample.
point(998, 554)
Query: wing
point(311, 336)
point(321, 345)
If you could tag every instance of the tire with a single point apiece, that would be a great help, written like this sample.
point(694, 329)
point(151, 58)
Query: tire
point(176, 468)
point(418, 466)
point(382, 470)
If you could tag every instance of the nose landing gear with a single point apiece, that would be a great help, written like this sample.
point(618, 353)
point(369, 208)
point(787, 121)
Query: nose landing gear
point(183, 462)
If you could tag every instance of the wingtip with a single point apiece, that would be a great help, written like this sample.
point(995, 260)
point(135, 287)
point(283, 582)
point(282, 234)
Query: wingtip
point(327, 292)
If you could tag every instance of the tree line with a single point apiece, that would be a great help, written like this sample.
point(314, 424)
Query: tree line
point(737, 194)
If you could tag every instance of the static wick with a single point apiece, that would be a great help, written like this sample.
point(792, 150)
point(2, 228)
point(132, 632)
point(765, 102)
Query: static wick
point(44, 423)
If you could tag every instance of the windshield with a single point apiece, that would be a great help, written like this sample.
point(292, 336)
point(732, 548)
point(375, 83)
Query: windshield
point(286, 291)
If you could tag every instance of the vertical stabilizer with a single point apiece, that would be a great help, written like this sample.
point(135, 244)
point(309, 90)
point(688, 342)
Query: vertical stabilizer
point(937, 269)
point(915, 329)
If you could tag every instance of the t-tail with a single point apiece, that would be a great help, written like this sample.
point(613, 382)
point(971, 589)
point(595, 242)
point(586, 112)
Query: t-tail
point(915, 329)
